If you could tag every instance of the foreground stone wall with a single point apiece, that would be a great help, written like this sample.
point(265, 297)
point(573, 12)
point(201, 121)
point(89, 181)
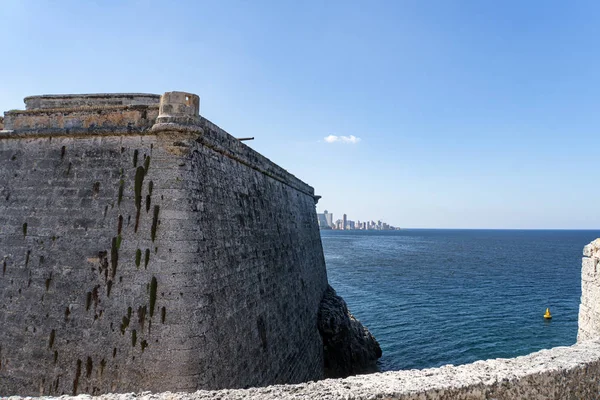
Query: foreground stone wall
point(135, 259)
point(556, 374)
point(589, 309)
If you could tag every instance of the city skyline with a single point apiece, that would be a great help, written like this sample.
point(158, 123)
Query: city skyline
point(325, 221)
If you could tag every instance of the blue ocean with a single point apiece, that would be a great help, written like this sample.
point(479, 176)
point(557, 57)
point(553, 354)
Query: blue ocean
point(437, 297)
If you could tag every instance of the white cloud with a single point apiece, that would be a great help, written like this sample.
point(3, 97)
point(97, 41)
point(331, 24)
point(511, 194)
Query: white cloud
point(344, 139)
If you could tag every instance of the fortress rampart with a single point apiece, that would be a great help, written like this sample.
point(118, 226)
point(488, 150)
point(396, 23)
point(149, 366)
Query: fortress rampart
point(559, 373)
point(144, 248)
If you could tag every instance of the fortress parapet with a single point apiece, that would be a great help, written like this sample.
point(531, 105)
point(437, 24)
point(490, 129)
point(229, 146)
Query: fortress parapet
point(86, 114)
point(98, 100)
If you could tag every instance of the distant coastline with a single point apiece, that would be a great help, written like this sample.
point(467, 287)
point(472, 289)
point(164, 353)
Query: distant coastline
point(344, 224)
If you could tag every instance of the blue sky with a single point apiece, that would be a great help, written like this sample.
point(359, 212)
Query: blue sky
point(464, 114)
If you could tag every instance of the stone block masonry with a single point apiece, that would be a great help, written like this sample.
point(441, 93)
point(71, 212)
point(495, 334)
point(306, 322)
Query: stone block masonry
point(589, 308)
point(143, 248)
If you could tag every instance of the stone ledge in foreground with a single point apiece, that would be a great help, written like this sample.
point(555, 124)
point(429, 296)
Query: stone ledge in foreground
point(558, 373)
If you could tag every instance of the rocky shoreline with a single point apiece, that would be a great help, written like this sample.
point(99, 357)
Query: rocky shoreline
point(348, 346)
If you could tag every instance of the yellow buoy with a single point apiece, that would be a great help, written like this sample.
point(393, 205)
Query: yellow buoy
point(548, 315)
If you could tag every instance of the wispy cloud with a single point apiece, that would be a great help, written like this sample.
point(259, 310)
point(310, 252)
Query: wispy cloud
point(343, 139)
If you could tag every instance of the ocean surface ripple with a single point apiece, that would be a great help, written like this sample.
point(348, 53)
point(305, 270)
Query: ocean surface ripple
point(437, 297)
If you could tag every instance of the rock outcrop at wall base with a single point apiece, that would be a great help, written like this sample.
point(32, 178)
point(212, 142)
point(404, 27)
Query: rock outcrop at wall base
point(348, 346)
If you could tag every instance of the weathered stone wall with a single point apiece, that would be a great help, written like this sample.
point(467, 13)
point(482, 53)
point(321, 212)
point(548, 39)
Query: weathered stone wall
point(589, 309)
point(135, 260)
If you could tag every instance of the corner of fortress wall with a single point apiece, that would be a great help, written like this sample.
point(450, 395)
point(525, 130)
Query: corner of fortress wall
point(144, 248)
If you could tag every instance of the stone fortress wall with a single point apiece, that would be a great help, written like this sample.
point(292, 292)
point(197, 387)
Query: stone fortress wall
point(558, 373)
point(144, 248)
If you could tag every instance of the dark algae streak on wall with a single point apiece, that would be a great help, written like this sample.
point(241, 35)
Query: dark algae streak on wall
point(144, 248)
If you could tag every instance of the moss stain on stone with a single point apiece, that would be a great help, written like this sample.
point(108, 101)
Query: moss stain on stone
point(55, 356)
point(138, 257)
point(124, 325)
point(135, 158)
point(149, 196)
point(114, 256)
point(146, 258)
point(67, 313)
point(142, 316)
point(3, 267)
point(139, 181)
point(69, 169)
point(88, 301)
point(102, 365)
point(119, 239)
point(76, 380)
point(163, 314)
point(120, 225)
point(121, 187)
point(48, 280)
point(146, 164)
point(108, 288)
point(51, 340)
point(143, 344)
point(133, 338)
point(95, 296)
point(154, 223)
point(24, 229)
point(153, 287)
point(62, 152)
point(27, 258)
point(88, 367)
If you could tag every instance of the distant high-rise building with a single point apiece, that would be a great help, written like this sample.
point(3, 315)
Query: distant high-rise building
point(322, 221)
point(345, 219)
point(325, 220)
point(329, 218)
